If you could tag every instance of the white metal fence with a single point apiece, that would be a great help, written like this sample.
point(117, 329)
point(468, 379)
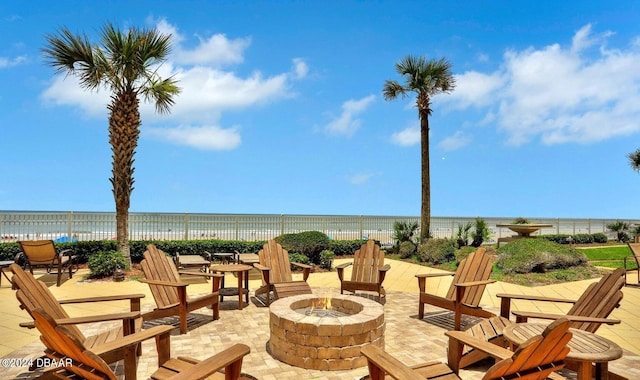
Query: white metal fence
point(84, 226)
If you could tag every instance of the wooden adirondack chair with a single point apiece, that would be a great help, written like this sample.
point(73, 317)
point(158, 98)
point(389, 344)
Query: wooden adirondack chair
point(635, 250)
point(43, 253)
point(466, 289)
point(536, 359)
point(170, 293)
point(275, 268)
point(34, 294)
point(588, 313)
point(74, 360)
point(368, 272)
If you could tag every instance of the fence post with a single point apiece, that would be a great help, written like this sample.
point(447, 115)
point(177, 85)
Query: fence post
point(281, 224)
point(361, 222)
point(186, 226)
point(69, 225)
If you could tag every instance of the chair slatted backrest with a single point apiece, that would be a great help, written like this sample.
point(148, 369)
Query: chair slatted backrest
point(367, 262)
point(476, 267)
point(39, 252)
point(274, 257)
point(599, 300)
point(536, 358)
point(63, 346)
point(34, 294)
point(160, 267)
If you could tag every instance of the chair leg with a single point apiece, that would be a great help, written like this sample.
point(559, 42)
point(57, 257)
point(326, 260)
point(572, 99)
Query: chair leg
point(420, 310)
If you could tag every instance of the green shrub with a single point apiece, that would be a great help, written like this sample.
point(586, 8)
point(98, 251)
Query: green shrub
point(520, 220)
point(537, 256)
point(582, 239)
point(407, 249)
point(557, 238)
point(599, 238)
point(105, 263)
point(346, 247)
point(297, 258)
point(480, 232)
point(437, 251)
point(464, 252)
point(462, 236)
point(326, 259)
point(309, 243)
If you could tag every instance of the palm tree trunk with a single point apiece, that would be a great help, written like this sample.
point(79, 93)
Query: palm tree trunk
point(425, 212)
point(124, 131)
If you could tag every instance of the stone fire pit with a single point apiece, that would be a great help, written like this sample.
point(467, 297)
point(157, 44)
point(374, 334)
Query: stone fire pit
point(309, 337)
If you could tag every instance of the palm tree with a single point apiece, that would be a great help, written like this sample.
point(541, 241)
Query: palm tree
point(126, 64)
point(426, 78)
point(634, 160)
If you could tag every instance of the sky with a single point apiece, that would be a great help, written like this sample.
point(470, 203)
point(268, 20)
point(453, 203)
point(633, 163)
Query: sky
point(281, 109)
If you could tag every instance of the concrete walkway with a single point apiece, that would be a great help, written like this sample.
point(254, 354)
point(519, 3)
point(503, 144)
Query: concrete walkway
point(411, 340)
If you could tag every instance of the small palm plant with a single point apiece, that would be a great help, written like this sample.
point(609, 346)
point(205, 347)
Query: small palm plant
point(620, 228)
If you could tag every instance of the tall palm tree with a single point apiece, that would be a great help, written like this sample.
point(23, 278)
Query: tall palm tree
point(425, 78)
point(126, 64)
point(634, 160)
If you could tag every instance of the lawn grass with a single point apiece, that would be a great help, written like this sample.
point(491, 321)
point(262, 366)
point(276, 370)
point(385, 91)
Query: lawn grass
point(603, 256)
point(609, 256)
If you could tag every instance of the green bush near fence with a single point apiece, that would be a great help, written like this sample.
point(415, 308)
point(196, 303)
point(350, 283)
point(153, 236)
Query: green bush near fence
point(105, 263)
point(309, 243)
point(577, 238)
point(85, 249)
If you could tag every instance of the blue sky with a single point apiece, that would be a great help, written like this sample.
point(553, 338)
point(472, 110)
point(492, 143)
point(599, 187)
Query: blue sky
point(281, 109)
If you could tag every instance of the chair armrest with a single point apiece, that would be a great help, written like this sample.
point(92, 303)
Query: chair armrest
point(28, 325)
point(209, 255)
point(68, 252)
point(120, 297)
point(344, 265)
point(382, 362)
point(426, 275)
point(306, 269)
point(98, 318)
point(210, 275)
point(490, 349)
point(422, 279)
point(132, 339)
point(505, 303)
point(163, 283)
point(231, 359)
point(471, 284)
point(134, 300)
point(523, 316)
point(261, 267)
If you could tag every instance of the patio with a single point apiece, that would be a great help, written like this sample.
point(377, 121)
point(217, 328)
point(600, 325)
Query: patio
point(410, 340)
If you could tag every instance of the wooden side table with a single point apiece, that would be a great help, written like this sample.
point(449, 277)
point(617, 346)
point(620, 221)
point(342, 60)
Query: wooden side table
point(586, 349)
point(242, 271)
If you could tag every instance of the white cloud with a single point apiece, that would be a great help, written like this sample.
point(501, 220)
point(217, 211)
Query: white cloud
point(360, 178)
point(347, 123)
point(8, 62)
point(300, 68)
point(454, 142)
point(202, 137)
point(582, 93)
point(407, 137)
point(207, 89)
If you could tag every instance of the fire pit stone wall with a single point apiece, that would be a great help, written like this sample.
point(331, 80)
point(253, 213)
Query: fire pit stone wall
point(326, 342)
